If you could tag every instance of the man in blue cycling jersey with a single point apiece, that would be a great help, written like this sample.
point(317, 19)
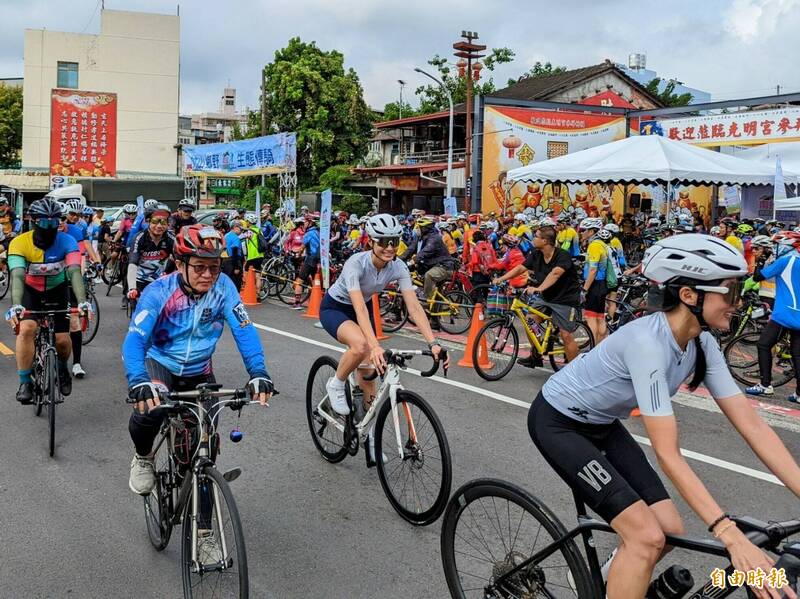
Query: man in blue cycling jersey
point(172, 336)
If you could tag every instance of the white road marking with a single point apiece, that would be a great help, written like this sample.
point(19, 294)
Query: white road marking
point(700, 457)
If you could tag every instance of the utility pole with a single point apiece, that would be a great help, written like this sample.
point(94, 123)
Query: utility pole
point(469, 51)
point(263, 101)
point(400, 106)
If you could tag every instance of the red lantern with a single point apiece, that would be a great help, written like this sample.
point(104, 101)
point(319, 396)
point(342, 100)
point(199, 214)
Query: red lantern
point(476, 71)
point(462, 67)
point(511, 143)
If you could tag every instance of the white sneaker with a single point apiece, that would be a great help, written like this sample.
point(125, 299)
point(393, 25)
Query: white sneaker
point(143, 475)
point(208, 552)
point(760, 389)
point(77, 371)
point(337, 397)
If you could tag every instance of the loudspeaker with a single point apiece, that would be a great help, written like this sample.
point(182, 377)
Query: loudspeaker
point(647, 204)
point(634, 200)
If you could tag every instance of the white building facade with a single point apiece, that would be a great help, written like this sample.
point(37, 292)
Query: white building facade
point(136, 56)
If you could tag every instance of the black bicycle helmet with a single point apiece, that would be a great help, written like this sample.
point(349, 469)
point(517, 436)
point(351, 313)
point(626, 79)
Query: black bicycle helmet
point(45, 208)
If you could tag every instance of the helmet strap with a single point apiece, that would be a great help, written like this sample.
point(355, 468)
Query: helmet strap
point(697, 309)
point(190, 291)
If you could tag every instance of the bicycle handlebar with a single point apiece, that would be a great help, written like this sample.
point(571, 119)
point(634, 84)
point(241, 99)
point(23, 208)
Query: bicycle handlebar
point(43, 313)
point(399, 357)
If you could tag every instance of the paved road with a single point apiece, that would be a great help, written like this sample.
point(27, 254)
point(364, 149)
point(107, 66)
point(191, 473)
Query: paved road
point(73, 529)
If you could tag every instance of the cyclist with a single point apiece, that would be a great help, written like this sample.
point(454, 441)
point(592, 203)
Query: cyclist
point(253, 245)
point(121, 239)
point(311, 258)
point(567, 238)
point(150, 253)
point(595, 272)
point(232, 264)
point(141, 220)
point(511, 260)
point(346, 311)
point(610, 235)
point(43, 263)
point(173, 333)
point(575, 419)
point(184, 216)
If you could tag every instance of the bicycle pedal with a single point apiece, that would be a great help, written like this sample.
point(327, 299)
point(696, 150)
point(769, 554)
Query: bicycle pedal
point(353, 448)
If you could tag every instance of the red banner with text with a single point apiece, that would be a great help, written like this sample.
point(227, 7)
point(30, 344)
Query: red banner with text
point(83, 134)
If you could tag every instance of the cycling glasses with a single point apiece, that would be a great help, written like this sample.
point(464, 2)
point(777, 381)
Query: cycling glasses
point(48, 223)
point(732, 290)
point(159, 221)
point(200, 269)
point(386, 242)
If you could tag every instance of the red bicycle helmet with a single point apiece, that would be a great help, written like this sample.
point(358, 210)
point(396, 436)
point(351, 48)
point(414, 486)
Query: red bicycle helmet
point(200, 241)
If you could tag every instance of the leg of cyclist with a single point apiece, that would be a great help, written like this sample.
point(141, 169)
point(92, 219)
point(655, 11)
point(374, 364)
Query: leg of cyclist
point(794, 342)
point(769, 337)
point(24, 348)
point(350, 334)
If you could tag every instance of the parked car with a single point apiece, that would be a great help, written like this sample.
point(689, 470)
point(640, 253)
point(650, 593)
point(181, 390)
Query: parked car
point(206, 217)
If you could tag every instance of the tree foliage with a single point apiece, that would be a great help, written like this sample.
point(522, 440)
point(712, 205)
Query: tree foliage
point(539, 70)
point(10, 126)
point(391, 111)
point(668, 96)
point(433, 98)
point(309, 91)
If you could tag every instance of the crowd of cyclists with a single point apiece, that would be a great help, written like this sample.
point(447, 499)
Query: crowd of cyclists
point(185, 280)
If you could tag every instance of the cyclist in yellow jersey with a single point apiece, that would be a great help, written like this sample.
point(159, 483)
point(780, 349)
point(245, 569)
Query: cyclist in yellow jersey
point(595, 271)
point(566, 236)
point(520, 228)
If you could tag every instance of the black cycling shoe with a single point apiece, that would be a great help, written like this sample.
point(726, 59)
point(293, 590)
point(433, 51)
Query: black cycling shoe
point(435, 326)
point(25, 393)
point(64, 382)
point(531, 362)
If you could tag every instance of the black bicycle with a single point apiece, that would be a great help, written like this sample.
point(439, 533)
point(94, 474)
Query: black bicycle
point(190, 490)
point(91, 297)
point(115, 268)
point(499, 541)
point(46, 380)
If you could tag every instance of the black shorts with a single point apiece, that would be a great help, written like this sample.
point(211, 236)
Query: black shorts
point(595, 304)
point(602, 463)
point(308, 270)
point(57, 298)
point(255, 263)
point(333, 313)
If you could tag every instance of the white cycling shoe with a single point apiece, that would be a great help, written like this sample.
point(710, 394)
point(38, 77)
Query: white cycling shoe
point(143, 476)
point(337, 397)
point(77, 371)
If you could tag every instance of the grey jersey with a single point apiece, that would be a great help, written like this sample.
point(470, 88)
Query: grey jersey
point(640, 365)
point(360, 273)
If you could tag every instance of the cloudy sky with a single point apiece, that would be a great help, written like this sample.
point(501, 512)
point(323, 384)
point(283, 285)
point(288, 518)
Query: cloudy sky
point(731, 48)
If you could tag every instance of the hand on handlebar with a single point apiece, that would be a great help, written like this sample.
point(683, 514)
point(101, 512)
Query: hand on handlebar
point(437, 350)
point(260, 389)
point(746, 557)
point(13, 315)
point(145, 396)
point(378, 359)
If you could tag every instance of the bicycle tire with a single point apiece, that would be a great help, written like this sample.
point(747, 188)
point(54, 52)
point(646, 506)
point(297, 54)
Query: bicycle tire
point(479, 293)
point(495, 354)
point(395, 315)
point(415, 456)
point(210, 475)
point(529, 581)
point(94, 321)
point(583, 335)
point(52, 397)
point(460, 307)
point(287, 276)
point(39, 385)
point(741, 356)
point(333, 451)
point(157, 508)
point(4, 282)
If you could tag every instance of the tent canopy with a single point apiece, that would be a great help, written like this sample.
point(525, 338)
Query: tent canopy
point(789, 151)
point(787, 204)
point(647, 159)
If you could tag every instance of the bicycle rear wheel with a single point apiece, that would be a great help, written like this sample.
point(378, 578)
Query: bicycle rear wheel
point(496, 348)
point(394, 313)
point(225, 573)
point(491, 526)
point(51, 394)
point(4, 279)
point(94, 321)
point(583, 337)
point(158, 504)
point(331, 442)
point(416, 476)
point(741, 355)
point(459, 308)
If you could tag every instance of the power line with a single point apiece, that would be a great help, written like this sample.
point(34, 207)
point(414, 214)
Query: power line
point(91, 18)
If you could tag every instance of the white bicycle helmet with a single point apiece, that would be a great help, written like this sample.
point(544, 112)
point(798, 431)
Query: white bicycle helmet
point(714, 230)
point(381, 226)
point(251, 218)
point(613, 227)
point(186, 204)
point(545, 222)
point(353, 220)
point(521, 217)
point(75, 206)
point(564, 217)
point(129, 208)
point(653, 222)
point(150, 204)
point(363, 219)
point(605, 234)
point(761, 241)
point(692, 256)
point(591, 223)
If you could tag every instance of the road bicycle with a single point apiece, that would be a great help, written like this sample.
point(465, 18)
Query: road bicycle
point(114, 268)
point(190, 491)
point(453, 309)
point(44, 373)
point(402, 435)
point(5, 278)
point(497, 344)
point(94, 321)
point(741, 355)
point(499, 541)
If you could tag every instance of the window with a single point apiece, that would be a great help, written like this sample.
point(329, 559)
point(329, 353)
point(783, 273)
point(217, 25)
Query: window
point(67, 75)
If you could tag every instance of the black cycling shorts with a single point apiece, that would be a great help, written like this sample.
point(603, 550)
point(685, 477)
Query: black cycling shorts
point(255, 263)
point(595, 302)
point(57, 298)
point(308, 270)
point(602, 463)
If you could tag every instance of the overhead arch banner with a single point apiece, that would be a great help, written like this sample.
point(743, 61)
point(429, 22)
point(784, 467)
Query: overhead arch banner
point(265, 155)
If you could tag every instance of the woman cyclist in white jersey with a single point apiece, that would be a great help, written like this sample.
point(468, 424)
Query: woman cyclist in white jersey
point(346, 310)
point(575, 419)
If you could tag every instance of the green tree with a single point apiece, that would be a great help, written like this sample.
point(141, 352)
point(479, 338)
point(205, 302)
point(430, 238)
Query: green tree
point(539, 70)
point(10, 126)
point(308, 91)
point(668, 96)
point(433, 99)
point(337, 179)
point(392, 111)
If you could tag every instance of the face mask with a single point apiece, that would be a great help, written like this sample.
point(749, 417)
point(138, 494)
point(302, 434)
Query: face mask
point(44, 238)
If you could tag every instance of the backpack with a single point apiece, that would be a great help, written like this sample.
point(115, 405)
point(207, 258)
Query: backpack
point(261, 243)
point(486, 256)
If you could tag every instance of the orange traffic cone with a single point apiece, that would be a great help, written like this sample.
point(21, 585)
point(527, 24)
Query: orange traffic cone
point(636, 412)
point(315, 300)
point(483, 352)
point(376, 316)
point(248, 293)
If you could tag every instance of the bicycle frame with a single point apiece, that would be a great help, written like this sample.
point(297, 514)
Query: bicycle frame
point(520, 309)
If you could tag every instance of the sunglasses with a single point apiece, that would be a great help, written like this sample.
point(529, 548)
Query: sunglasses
point(732, 290)
point(158, 221)
point(200, 269)
point(48, 223)
point(386, 242)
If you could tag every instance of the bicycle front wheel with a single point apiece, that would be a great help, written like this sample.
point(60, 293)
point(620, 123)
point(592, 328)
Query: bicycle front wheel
point(496, 349)
point(741, 355)
point(157, 505)
point(94, 321)
point(458, 309)
point(331, 441)
point(489, 528)
point(583, 338)
point(413, 460)
point(51, 393)
point(220, 567)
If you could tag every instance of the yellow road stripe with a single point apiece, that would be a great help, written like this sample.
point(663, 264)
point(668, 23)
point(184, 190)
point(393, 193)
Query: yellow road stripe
point(5, 350)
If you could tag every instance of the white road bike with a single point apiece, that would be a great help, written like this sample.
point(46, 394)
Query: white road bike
point(413, 462)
